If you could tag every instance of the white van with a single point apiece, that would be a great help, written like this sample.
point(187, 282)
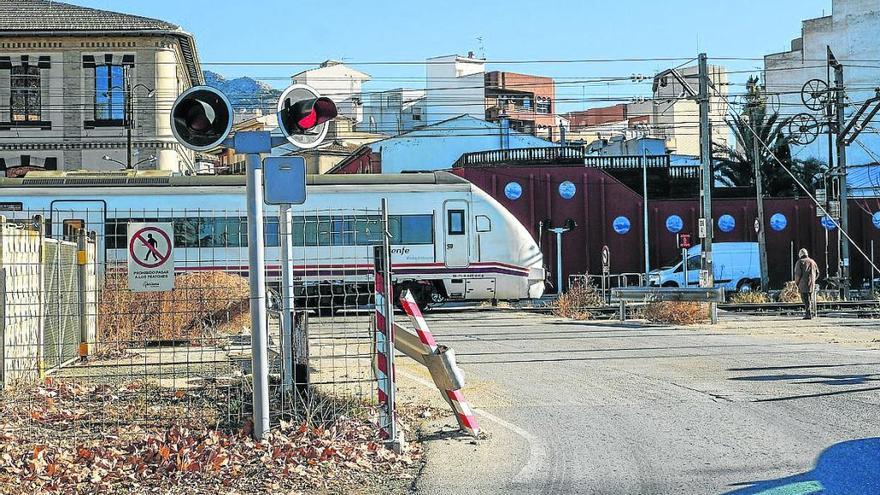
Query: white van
point(737, 267)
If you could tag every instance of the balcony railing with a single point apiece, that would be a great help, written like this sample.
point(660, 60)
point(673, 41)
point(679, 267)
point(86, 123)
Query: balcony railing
point(572, 155)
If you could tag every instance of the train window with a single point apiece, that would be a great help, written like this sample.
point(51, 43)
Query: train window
point(71, 227)
point(115, 233)
point(186, 232)
point(311, 231)
point(417, 229)
point(229, 232)
point(358, 231)
point(484, 223)
point(455, 222)
point(271, 234)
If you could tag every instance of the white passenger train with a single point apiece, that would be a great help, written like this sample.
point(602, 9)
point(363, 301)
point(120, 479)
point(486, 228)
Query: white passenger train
point(450, 240)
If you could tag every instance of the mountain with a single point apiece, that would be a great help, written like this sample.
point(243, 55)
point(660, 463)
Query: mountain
point(245, 93)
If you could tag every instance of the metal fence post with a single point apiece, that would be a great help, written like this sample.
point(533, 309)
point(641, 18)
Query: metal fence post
point(301, 375)
point(41, 298)
point(82, 259)
point(287, 318)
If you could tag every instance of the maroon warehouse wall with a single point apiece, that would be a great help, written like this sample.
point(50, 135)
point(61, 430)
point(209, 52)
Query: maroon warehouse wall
point(598, 201)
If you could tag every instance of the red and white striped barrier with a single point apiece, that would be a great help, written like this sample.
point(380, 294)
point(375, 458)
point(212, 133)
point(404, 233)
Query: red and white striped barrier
point(463, 412)
point(385, 377)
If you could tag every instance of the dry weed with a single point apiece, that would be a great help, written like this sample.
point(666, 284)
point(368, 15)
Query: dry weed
point(790, 293)
point(574, 303)
point(750, 298)
point(202, 305)
point(677, 313)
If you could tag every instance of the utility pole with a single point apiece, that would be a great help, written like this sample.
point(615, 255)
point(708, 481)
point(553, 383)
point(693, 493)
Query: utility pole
point(762, 238)
point(706, 221)
point(753, 103)
point(645, 213)
point(840, 107)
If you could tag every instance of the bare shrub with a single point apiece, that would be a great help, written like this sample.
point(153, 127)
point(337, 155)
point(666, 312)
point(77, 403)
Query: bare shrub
point(790, 293)
point(574, 303)
point(676, 313)
point(202, 305)
point(750, 298)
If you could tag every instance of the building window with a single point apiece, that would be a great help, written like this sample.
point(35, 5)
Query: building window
point(25, 93)
point(542, 105)
point(416, 113)
point(110, 93)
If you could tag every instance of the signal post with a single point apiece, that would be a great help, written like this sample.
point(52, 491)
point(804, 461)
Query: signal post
point(201, 119)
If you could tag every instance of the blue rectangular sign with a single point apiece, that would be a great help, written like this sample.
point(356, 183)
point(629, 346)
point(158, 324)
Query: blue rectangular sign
point(284, 180)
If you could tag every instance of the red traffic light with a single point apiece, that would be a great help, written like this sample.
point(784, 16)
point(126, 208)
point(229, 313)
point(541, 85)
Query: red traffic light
point(304, 115)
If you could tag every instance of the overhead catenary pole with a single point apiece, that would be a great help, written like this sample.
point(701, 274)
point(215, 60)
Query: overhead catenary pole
point(840, 108)
point(645, 213)
point(707, 179)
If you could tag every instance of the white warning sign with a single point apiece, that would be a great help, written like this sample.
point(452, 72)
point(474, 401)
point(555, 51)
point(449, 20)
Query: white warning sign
point(150, 257)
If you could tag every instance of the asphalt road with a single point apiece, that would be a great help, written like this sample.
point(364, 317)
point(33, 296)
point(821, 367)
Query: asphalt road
point(607, 408)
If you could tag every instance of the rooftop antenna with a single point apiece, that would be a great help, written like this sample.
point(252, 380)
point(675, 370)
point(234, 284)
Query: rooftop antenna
point(481, 48)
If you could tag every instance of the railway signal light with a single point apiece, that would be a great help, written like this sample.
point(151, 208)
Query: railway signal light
point(201, 118)
point(304, 116)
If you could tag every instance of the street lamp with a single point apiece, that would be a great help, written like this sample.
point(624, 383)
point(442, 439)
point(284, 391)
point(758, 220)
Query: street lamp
point(128, 90)
point(151, 158)
point(567, 227)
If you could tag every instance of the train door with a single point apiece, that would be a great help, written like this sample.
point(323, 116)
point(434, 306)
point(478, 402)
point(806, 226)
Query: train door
point(68, 216)
point(455, 234)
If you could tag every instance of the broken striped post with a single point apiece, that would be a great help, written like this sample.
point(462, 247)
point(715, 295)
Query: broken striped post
point(463, 412)
point(384, 359)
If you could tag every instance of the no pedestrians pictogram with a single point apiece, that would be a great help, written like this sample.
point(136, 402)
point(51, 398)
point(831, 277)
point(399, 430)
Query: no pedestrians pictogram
point(150, 256)
point(158, 247)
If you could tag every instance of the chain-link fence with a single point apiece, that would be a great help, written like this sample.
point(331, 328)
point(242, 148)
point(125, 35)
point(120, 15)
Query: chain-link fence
point(85, 356)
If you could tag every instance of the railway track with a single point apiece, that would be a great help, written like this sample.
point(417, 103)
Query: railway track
point(868, 309)
point(858, 309)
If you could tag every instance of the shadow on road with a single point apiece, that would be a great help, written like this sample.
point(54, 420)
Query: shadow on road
point(802, 366)
point(814, 379)
point(846, 468)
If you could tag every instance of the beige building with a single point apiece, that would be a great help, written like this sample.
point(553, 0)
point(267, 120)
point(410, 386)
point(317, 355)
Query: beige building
point(341, 141)
point(669, 114)
point(74, 81)
point(851, 32)
point(340, 83)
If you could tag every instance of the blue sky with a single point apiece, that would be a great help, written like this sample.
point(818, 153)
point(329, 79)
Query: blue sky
point(311, 31)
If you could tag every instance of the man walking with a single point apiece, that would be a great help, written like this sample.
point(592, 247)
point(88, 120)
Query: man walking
point(806, 271)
